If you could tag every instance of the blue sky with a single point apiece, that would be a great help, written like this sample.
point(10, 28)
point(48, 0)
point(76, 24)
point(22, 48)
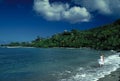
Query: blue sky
point(23, 20)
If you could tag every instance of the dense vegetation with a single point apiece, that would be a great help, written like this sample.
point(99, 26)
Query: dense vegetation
point(104, 38)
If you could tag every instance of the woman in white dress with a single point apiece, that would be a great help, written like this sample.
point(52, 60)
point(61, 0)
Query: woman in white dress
point(101, 60)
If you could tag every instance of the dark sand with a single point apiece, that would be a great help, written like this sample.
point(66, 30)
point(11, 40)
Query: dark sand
point(114, 76)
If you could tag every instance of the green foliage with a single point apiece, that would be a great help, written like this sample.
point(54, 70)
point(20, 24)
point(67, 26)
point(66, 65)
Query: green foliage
point(104, 38)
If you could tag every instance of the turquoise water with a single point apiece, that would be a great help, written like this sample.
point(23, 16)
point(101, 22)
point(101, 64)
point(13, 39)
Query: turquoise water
point(50, 64)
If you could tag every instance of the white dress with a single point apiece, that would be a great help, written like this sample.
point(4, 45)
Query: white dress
point(101, 60)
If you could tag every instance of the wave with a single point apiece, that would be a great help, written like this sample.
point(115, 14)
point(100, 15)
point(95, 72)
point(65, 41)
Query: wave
point(94, 73)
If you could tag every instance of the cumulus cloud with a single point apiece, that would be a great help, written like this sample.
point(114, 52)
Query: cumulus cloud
point(59, 11)
point(108, 7)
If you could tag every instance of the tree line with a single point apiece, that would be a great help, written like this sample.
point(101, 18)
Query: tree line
point(104, 37)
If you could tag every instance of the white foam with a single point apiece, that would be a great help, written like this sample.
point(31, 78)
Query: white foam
point(93, 74)
point(68, 71)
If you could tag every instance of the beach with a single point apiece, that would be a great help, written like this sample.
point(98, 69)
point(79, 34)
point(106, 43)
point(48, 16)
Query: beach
point(57, 64)
point(114, 76)
point(51, 64)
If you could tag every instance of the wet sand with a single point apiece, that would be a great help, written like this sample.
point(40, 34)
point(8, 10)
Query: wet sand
point(114, 76)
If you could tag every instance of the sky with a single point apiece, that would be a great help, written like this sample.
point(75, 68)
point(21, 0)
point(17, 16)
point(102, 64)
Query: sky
point(24, 20)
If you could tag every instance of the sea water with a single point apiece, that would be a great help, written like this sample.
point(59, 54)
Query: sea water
point(55, 64)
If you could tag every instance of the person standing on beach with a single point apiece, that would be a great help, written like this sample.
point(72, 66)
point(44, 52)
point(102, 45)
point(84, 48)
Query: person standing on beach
point(101, 60)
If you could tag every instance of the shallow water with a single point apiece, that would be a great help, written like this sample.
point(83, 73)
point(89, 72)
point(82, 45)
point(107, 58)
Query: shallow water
point(53, 64)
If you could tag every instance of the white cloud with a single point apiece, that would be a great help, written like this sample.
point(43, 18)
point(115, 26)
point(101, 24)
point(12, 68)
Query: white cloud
point(59, 11)
point(102, 6)
point(111, 7)
point(76, 14)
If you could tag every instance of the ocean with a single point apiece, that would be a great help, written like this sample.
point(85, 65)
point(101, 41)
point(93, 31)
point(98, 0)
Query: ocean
point(55, 64)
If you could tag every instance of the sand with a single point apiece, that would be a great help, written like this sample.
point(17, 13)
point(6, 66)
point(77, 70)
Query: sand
point(114, 76)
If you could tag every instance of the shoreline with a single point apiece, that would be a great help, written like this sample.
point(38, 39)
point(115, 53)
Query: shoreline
point(113, 51)
point(114, 76)
point(16, 47)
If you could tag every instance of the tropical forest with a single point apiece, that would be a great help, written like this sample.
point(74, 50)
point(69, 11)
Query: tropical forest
point(105, 37)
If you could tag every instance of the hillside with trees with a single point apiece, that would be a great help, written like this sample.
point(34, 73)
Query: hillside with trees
point(105, 38)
